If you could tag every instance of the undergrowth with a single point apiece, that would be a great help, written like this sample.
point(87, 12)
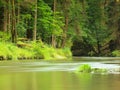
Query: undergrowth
point(9, 51)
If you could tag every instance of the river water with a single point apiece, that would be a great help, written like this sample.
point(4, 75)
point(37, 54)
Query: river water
point(59, 75)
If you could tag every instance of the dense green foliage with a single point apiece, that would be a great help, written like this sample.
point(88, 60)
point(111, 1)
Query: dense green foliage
point(96, 33)
point(88, 27)
point(32, 50)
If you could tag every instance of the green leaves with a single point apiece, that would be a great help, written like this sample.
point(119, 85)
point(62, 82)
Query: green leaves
point(4, 36)
point(21, 29)
point(49, 22)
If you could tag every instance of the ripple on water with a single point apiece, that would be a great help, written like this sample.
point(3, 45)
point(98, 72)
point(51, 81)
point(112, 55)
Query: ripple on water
point(50, 66)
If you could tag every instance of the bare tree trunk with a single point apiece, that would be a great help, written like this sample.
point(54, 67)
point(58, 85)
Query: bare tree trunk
point(18, 12)
point(9, 17)
point(53, 36)
point(5, 18)
point(35, 22)
point(13, 31)
point(65, 31)
point(66, 11)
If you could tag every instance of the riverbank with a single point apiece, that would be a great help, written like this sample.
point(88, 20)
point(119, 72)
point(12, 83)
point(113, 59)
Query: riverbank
point(32, 50)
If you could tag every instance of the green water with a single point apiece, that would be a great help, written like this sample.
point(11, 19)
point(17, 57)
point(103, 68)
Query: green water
point(40, 75)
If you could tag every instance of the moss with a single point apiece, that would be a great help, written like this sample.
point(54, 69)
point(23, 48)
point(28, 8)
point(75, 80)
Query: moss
point(84, 68)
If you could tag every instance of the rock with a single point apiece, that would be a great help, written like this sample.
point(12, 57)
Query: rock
point(85, 68)
point(99, 70)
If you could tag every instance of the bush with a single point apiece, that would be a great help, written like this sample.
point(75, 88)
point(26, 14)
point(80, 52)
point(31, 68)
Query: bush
point(4, 51)
point(116, 53)
point(33, 50)
point(47, 52)
point(4, 37)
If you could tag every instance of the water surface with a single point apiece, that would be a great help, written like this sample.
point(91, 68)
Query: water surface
point(58, 75)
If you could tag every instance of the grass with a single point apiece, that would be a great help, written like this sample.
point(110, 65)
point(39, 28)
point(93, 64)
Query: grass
point(9, 51)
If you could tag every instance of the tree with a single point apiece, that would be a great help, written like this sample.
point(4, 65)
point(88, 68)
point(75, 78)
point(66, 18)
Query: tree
point(13, 29)
point(35, 22)
point(66, 5)
point(114, 21)
point(53, 36)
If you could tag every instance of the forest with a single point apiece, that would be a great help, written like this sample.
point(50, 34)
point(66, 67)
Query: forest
point(59, 28)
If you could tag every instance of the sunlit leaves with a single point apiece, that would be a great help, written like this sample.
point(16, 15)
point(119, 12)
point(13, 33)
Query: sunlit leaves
point(47, 22)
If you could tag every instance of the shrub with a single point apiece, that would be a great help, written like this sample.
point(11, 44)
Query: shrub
point(4, 51)
point(116, 53)
point(47, 52)
point(34, 50)
point(4, 36)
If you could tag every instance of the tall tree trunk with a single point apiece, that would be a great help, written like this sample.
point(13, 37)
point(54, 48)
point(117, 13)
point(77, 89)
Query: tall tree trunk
point(66, 12)
point(65, 31)
point(18, 12)
point(53, 36)
point(13, 31)
point(98, 45)
point(9, 16)
point(35, 22)
point(102, 22)
point(5, 18)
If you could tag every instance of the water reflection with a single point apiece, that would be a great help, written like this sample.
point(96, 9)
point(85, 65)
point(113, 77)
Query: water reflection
point(56, 76)
point(58, 81)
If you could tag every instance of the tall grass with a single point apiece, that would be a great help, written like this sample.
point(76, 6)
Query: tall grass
point(47, 52)
point(36, 50)
point(11, 51)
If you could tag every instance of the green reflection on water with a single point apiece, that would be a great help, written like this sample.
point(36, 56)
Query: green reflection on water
point(34, 81)
point(53, 80)
point(58, 81)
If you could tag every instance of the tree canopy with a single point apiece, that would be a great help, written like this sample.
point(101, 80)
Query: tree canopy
point(88, 27)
